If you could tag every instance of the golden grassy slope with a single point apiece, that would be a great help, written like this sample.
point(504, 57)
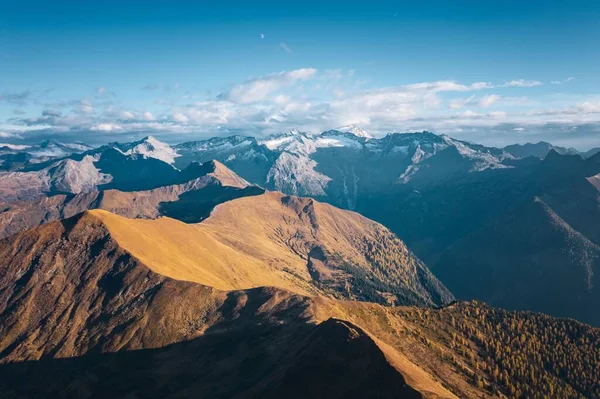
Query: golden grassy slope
point(270, 240)
point(189, 253)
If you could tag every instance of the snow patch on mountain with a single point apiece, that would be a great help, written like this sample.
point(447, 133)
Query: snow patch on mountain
point(419, 155)
point(295, 174)
point(216, 144)
point(355, 130)
point(150, 147)
point(14, 147)
point(77, 176)
point(294, 171)
point(65, 176)
point(483, 157)
point(324, 142)
point(277, 143)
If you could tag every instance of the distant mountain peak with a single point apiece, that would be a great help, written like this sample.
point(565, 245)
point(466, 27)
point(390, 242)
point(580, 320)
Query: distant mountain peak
point(152, 140)
point(151, 147)
point(355, 130)
point(48, 142)
point(537, 150)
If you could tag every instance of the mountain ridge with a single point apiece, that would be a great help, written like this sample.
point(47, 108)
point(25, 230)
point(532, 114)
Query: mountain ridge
point(302, 246)
point(216, 184)
point(75, 304)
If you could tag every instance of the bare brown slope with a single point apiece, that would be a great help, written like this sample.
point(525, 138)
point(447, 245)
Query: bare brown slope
point(23, 215)
point(293, 243)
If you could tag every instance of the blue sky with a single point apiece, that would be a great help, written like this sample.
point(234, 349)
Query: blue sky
point(493, 72)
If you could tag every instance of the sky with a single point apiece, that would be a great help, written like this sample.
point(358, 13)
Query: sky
point(493, 72)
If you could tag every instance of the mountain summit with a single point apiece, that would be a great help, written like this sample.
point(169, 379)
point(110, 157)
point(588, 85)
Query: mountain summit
point(355, 130)
point(150, 147)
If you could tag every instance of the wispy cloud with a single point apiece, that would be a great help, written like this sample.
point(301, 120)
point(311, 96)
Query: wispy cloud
point(581, 108)
point(85, 107)
point(488, 100)
point(17, 98)
point(521, 83)
point(459, 103)
point(106, 127)
point(9, 135)
point(151, 87)
point(561, 82)
point(286, 48)
point(258, 89)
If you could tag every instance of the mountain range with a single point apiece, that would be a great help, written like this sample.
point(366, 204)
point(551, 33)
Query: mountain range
point(542, 148)
point(247, 267)
point(452, 202)
point(14, 156)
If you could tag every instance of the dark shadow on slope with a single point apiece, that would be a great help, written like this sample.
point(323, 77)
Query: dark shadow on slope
point(195, 206)
point(334, 359)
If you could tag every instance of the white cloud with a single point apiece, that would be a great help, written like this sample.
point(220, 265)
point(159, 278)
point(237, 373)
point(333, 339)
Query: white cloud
point(313, 100)
point(262, 35)
point(147, 116)
point(181, 118)
point(255, 90)
point(127, 115)
point(281, 99)
point(448, 85)
point(488, 100)
point(85, 107)
point(469, 114)
point(9, 135)
point(581, 108)
point(459, 103)
point(106, 127)
point(560, 82)
point(521, 83)
point(589, 107)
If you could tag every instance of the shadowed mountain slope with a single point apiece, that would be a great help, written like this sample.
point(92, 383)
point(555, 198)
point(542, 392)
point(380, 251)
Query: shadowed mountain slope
point(530, 258)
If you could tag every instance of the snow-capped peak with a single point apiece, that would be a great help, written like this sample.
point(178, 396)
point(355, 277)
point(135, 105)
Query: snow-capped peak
point(355, 130)
point(14, 147)
point(151, 147)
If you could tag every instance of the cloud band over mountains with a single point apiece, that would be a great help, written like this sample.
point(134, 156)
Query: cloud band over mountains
point(316, 100)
